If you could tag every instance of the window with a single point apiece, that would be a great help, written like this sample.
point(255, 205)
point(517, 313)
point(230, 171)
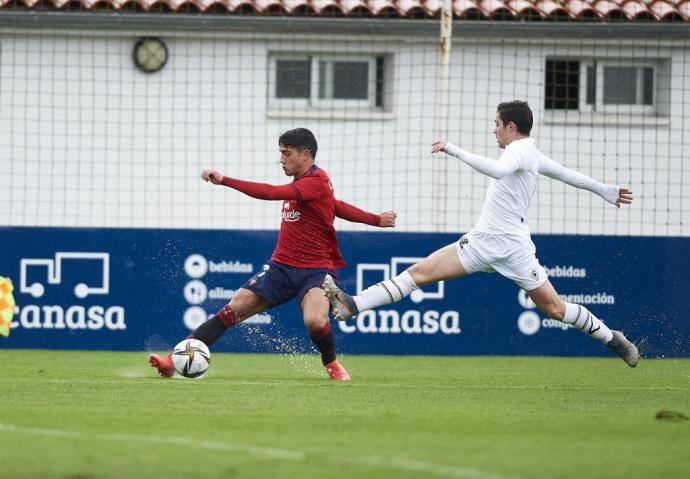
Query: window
point(344, 80)
point(628, 85)
point(562, 84)
point(292, 79)
point(326, 81)
point(606, 86)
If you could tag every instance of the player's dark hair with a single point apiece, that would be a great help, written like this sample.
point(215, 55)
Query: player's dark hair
point(299, 138)
point(518, 112)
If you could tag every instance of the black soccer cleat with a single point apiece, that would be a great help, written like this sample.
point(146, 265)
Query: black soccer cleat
point(620, 345)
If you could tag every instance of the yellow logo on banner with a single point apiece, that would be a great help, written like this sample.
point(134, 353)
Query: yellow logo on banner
point(6, 305)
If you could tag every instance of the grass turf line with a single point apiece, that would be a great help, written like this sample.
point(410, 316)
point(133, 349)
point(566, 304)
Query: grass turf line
point(106, 415)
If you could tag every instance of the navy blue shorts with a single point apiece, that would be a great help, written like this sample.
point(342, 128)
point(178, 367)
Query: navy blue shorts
point(278, 283)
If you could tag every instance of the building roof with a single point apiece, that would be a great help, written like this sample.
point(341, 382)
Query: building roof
point(502, 10)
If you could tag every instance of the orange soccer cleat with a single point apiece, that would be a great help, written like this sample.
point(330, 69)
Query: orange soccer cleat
point(336, 371)
point(164, 364)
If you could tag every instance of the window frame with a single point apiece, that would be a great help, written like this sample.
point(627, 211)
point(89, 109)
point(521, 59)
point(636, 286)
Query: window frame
point(293, 102)
point(314, 102)
point(617, 109)
point(599, 107)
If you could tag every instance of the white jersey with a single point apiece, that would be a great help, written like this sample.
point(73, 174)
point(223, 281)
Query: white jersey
point(514, 181)
point(507, 200)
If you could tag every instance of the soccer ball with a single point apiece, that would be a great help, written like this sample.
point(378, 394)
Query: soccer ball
point(191, 358)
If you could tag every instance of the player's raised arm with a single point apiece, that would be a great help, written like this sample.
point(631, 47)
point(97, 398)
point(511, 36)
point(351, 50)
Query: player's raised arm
point(262, 191)
point(616, 195)
point(496, 169)
point(353, 214)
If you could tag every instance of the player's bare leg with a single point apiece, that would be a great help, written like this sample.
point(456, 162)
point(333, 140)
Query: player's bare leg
point(546, 298)
point(315, 308)
point(443, 264)
point(244, 304)
point(440, 265)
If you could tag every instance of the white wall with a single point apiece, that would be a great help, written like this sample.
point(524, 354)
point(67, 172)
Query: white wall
point(88, 140)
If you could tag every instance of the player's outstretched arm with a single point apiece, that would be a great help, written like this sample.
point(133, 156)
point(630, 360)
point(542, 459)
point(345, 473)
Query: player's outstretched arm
point(262, 191)
point(353, 214)
point(616, 195)
point(495, 169)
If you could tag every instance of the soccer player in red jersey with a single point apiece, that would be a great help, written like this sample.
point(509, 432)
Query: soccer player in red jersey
point(307, 250)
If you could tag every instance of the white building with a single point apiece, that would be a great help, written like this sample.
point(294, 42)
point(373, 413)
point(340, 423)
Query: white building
point(90, 138)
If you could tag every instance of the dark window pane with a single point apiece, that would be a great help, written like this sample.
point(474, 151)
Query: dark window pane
point(351, 80)
point(648, 86)
point(562, 85)
point(323, 78)
point(620, 85)
point(591, 85)
point(293, 79)
point(379, 81)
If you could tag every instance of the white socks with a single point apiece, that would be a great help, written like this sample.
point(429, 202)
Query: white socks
point(386, 292)
point(582, 319)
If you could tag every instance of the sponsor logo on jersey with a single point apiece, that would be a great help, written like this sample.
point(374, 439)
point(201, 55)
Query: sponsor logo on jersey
point(289, 214)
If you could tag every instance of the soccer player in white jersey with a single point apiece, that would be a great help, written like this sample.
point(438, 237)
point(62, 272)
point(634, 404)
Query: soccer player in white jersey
point(500, 241)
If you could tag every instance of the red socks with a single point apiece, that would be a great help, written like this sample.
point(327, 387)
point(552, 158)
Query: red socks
point(228, 316)
point(323, 339)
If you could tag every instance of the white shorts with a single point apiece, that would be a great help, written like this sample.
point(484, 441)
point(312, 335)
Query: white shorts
point(512, 256)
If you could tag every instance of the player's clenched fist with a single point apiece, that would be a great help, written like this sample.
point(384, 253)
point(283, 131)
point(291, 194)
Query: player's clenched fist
point(388, 219)
point(214, 176)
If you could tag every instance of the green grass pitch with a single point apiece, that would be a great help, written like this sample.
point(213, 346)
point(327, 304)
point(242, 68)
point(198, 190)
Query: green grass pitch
point(81, 415)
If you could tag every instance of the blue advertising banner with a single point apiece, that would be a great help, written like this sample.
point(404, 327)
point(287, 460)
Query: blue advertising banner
point(145, 289)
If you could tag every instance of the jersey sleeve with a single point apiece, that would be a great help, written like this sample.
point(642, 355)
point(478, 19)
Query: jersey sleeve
point(310, 188)
point(508, 163)
point(262, 191)
point(554, 170)
point(353, 214)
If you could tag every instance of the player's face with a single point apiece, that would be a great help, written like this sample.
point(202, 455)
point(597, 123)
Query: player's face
point(502, 132)
point(293, 161)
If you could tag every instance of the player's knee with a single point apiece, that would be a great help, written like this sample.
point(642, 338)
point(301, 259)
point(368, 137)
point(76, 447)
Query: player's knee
point(315, 322)
point(244, 303)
